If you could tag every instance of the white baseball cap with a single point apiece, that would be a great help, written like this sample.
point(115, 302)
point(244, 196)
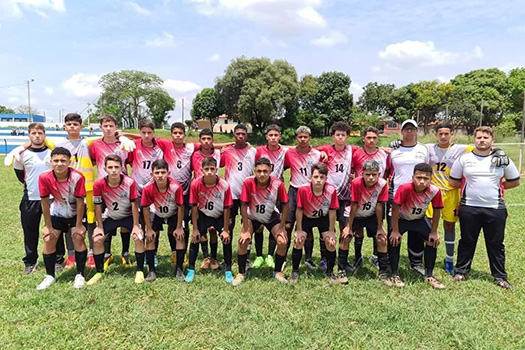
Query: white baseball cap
point(409, 121)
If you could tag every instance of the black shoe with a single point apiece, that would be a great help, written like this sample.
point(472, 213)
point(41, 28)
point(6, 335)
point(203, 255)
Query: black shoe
point(503, 283)
point(30, 269)
point(310, 264)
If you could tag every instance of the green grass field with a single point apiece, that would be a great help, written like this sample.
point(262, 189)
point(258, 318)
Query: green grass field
point(261, 313)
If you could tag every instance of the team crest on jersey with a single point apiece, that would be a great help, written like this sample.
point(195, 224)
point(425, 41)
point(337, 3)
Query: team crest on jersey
point(154, 154)
point(326, 202)
point(171, 198)
point(375, 194)
point(427, 200)
point(310, 161)
point(218, 195)
point(123, 194)
point(269, 197)
point(117, 152)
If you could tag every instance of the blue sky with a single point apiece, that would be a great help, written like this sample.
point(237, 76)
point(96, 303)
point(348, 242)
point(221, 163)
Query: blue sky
point(65, 46)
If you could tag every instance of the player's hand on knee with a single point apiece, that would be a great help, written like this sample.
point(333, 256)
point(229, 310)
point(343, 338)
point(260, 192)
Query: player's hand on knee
point(79, 231)
point(300, 237)
point(395, 238)
point(347, 234)
point(98, 235)
point(225, 237)
point(150, 236)
point(195, 237)
point(329, 239)
point(245, 237)
point(49, 234)
point(178, 233)
point(433, 239)
point(137, 233)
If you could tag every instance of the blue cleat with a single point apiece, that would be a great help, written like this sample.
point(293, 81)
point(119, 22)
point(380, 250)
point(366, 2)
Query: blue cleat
point(449, 267)
point(229, 277)
point(190, 275)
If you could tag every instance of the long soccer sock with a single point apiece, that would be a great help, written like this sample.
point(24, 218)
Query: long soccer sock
point(194, 250)
point(358, 248)
point(450, 240)
point(297, 255)
point(430, 260)
point(416, 249)
point(383, 262)
point(279, 261)
point(259, 239)
point(308, 248)
point(242, 263)
point(322, 247)
point(375, 248)
point(157, 241)
point(342, 259)
point(393, 256)
point(99, 262)
point(126, 238)
point(80, 259)
point(204, 247)
point(140, 261)
point(50, 261)
point(330, 261)
point(150, 259)
point(90, 229)
point(107, 244)
point(272, 245)
point(213, 250)
point(173, 242)
point(180, 258)
point(69, 243)
point(227, 251)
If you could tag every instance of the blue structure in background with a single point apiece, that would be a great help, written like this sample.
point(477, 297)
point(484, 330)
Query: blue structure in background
point(9, 117)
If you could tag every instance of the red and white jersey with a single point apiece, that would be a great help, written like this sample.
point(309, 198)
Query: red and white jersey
point(164, 203)
point(367, 197)
point(262, 201)
point(360, 157)
point(482, 185)
point(317, 206)
point(211, 201)
point(276, 158)
point(179, 161)
point(413, 205)
point(339, 165)
point(100, 150)
point(143, 157)
point(197, 158)
point(64, 193)
point(117, 199)
point(33, 162)
point(402, 162)
point(238, 164)
point(300, 165)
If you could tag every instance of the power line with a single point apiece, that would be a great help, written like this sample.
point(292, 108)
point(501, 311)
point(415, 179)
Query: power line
point(8, 86)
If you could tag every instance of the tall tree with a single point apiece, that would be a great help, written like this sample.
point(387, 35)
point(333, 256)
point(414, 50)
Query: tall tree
point(160, 103)
point(516, 81)
point(206, 105)
point(378, 98)
point(6, 110)
point(431, 99)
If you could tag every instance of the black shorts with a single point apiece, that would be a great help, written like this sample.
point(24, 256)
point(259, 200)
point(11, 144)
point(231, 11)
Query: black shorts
point(234, 209)
point(322, 224)
point(63, 224)
point(340, 213)
point(158, 222)
point(205, 222)
point(420, 226)
point(292, 200)
point(111, 224)
point(187, 207)
point(370, 223)
point(274, 220)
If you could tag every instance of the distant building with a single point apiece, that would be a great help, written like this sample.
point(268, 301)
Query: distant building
point(9, 117)
point(225, 125)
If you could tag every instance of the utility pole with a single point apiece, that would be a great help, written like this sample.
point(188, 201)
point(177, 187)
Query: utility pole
point(522, 132)
point(29, 99)
point(182, 110)
point(481, 117)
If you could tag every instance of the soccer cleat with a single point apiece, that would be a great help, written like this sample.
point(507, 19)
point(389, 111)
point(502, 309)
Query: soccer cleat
point(238, 279)
point(259, 261)
point(341, 276)
point(46, 283)
point(214, 265)
point(349, 268)
point(279, 276)
point(374, 260)
point(95, 279)
point(248, 264)
point(139, 277)
point(332, 278)
point(180, 275)
point(58, 267)
point(205, 264)
point(398, 282)
point(190, 276)
point(418, 269)
point(173, 259)
point(124, 259)
point(228, 277)
point(358, 263)
point(107, 261)
point(503, 283)
point(29, 269)
point(449, 266)
point(294, 278)
point(80, 281)
point(323, 265)
point(70, 262)
point(152, 276)
point(434, 282)
point(269, 262)
point(310, 264)
point(459, 278)
point(383, 277)
point(90, 262)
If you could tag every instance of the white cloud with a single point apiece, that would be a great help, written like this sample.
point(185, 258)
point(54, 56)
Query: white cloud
point(49, 91)
point(410, 54)
point(165, 40)
point(333, 38)
point(16, 8)
point(283, 16)
point(356, 89)
point(139, 9)
point(13, 100)
point(443, 79)
point(83, 85)
point(180, 86)
point(214, 58)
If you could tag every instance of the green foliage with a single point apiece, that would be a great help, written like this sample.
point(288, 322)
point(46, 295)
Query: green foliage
point(516, 80)
point(430, 99)
point(206, 105)
point(159, 103)
point(378, 98)
point(6, 110)
point(362, 119)
point(506, 128)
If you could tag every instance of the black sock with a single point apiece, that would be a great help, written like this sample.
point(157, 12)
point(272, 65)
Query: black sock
point(358, 247)
point(297, 255)
point(241, 260)
point(227, 252)
point(259, 239)
point(194, 250)
point(343, 259)
point(126, 238)
point(393, 256)
point(99, 262)
point(272, 244)
point(150, 259)
point(322, 248)
point(330, 261)
point(416, 249)
point(80, 259)
point(204, 248)
point(140, 261)
point(50, 261)
point(180, 258)
point(213, 250)
point(157, 240)
point(430, 260)
point(279, 261)
point(308, 248)
point(107, 243)
point(90, 229)
point(375, 248)
point(383, 262)
point(172, 240)
point(248, 252)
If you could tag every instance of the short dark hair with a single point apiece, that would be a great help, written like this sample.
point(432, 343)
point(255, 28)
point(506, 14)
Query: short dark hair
point(443, 125)
point(370, 129)
point(371, 165)
point(263, 161)
point(61, 151)
point(206, 132)
point(340, 126)
point(146, 123)
point(37, 126)
point(240, 126)
point(321, 168)
point(423, 167)
point(178, 125)
point(160, 164)
point(209, 161)
point(272, 127)
point(108, 118)
point(73, 117)
point(113, 158)
point(484, 129)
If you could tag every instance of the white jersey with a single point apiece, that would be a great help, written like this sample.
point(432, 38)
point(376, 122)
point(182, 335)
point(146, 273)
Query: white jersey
point(402, 161)
point(33, 163)
point(441, 160)
point(482, 186)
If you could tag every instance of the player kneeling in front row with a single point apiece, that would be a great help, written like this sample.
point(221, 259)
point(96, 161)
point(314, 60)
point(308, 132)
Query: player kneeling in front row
point(259, 197)
point(67, 186)
point(317, 205)
point(118, 193)
point(408, 214)
point(369, 194)
point(166, 197)
point(211, 199)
